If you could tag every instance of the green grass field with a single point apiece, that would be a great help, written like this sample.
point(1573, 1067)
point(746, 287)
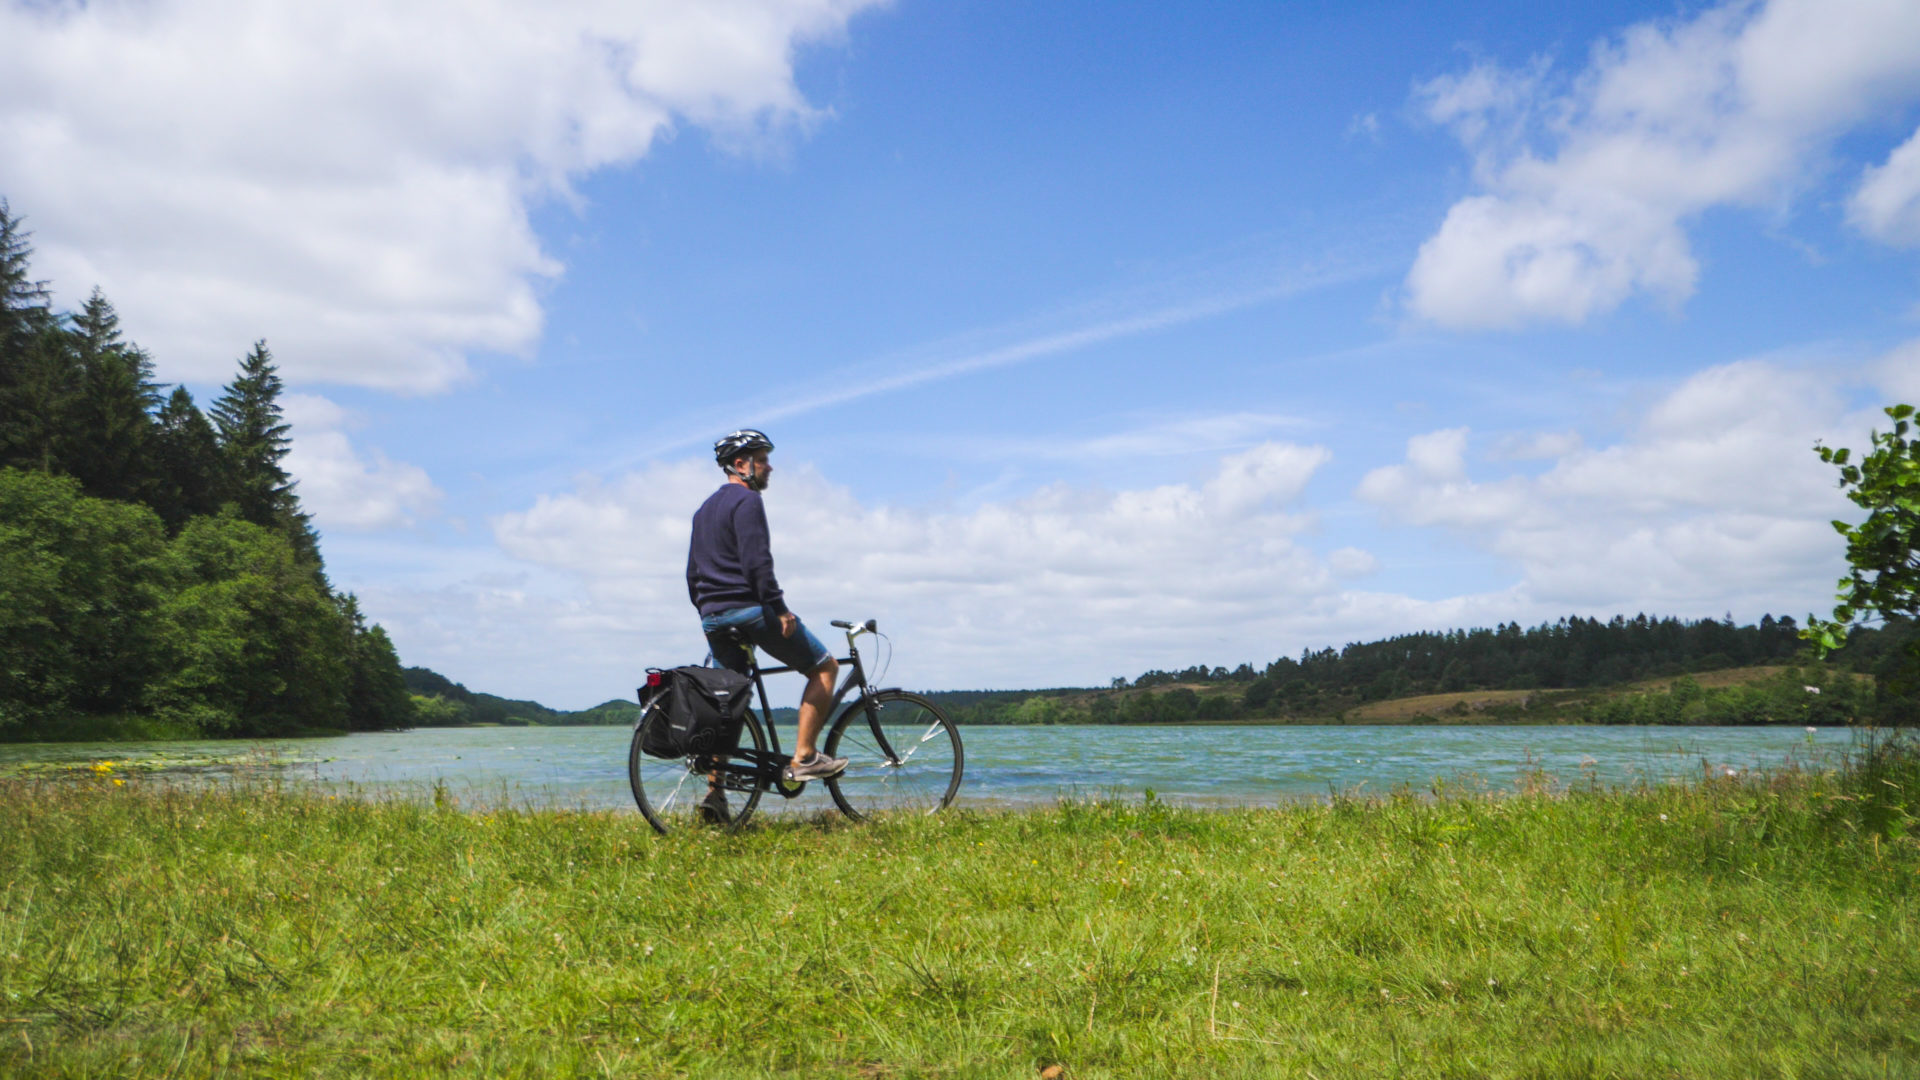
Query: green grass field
point(1552, 703)
point(1746, 927)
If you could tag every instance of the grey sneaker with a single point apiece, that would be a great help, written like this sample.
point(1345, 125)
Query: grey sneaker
point(817, 767)
point(713, 809)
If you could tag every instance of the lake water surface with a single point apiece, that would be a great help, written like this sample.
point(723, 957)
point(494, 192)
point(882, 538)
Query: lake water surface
point(1027, 766)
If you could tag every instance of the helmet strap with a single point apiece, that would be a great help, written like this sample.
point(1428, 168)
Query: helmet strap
point(753, 481)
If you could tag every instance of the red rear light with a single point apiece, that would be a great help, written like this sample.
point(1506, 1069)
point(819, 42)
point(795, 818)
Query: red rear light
point(653, 678)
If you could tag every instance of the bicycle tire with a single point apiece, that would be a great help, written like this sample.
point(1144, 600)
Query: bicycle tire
point(923, 782)
point(669, 791)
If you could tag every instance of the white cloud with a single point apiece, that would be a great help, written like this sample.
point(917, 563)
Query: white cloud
point(1887, 204)
point(1898, 373)
point(343, 488)
point(1352, 562)
point(352, 180)
point(1589, 189)
point(1272, 473)
point(1715, 502)
point(1439, 455)
point(1064, 585)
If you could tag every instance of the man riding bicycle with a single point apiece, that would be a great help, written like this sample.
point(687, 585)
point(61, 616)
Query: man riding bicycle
point(730, 580)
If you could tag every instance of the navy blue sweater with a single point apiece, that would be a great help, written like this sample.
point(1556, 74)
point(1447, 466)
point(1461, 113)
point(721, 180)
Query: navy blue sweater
point(730, 562)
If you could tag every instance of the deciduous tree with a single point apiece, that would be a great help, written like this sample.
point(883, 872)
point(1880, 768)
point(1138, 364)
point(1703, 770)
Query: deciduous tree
point(1883, 551)
point(80, 579)
point(254, 641)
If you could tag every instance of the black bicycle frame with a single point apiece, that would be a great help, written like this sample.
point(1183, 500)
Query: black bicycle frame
point(856, 676)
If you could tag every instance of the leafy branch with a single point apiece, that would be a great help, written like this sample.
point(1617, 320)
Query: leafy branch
point(1883, 552)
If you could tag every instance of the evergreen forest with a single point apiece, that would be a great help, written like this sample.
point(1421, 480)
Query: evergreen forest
point(1573, 652)
point(158, 576)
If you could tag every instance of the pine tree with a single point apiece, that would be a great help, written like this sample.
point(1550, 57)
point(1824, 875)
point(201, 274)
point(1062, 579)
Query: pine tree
point(24, 308)
point(253, 440)
point(35, 364)
point(110, 419)
point(36, 408)
point(186, 460)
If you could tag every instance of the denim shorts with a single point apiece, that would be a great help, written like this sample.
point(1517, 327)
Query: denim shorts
point(802, 652)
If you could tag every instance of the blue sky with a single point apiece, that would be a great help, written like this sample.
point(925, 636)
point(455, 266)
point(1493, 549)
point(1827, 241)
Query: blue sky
point(1094, 337)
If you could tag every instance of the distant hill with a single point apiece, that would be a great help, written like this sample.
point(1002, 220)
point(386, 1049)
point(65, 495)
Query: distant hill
point(441, 702)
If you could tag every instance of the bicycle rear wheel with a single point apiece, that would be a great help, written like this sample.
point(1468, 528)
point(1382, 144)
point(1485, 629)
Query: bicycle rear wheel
point(672, 793)
point(923, 776)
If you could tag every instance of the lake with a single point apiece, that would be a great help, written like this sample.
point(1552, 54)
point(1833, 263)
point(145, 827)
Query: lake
point(1029, 766)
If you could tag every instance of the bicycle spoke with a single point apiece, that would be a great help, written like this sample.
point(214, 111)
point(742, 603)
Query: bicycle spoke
point(921, 779)
point(932, 730)
point(678, 793)
point(914, 789)
point(673, 797)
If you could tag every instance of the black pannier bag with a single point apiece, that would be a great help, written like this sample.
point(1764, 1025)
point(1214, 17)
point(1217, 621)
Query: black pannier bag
point(703, 709)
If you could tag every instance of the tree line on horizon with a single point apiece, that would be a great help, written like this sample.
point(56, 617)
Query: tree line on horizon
point(157, 572)
point(1571, 654)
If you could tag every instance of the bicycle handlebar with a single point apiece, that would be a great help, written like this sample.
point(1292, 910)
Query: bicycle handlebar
point(870, 626)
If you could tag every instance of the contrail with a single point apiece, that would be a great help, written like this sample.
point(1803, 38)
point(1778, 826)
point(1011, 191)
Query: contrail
point(1020, 352)
point(1017, 353)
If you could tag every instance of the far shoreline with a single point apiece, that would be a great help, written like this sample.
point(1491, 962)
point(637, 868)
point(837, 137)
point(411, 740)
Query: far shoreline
point(1318, 722)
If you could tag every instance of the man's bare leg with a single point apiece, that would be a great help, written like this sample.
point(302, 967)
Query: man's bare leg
point(814, 703)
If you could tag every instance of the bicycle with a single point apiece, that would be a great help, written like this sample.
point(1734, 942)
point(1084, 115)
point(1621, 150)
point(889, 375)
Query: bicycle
point(903, 754)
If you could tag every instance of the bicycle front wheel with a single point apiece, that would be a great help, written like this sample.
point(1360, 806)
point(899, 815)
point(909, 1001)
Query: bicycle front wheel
point(920, 777)
point(680, 793)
